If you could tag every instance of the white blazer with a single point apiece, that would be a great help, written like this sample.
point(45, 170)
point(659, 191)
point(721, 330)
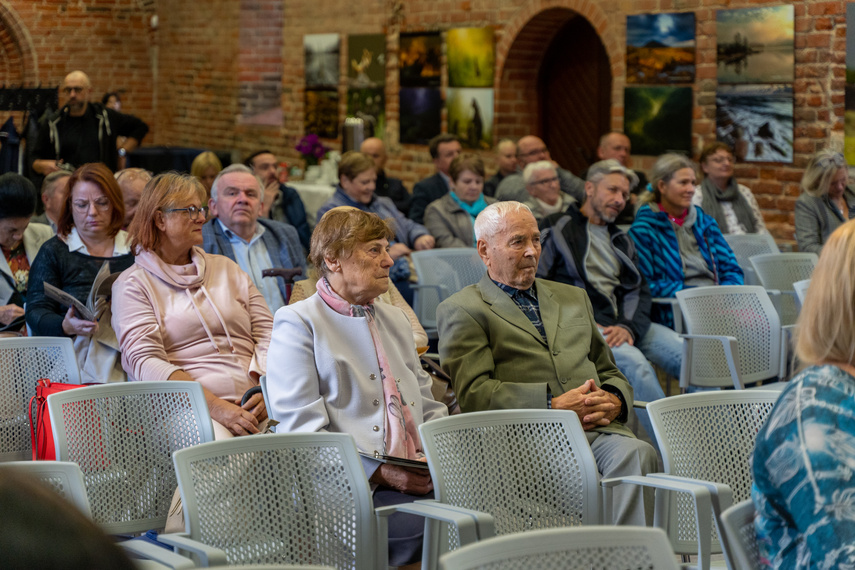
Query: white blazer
point(323, 373)
point(34, 236)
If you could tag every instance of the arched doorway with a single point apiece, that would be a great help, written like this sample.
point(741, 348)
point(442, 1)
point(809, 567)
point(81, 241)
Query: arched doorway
point(575, 88)
point(556, 83)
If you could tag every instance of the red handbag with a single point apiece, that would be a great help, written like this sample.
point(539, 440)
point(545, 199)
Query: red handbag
point(40, 429)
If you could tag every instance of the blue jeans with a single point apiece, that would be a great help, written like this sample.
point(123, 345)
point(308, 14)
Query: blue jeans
point(664, 348)
point(632, 362)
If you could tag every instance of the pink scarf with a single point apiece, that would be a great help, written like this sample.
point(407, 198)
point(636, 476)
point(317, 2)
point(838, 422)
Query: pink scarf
point(401, 437)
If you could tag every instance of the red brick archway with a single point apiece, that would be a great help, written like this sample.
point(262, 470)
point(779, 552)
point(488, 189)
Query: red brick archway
point(520, 53)
point(18, 64)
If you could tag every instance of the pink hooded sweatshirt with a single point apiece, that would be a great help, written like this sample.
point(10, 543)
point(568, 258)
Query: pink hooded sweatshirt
point(206, 318)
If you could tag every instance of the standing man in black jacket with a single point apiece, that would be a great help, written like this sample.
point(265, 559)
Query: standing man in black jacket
point(82, 131)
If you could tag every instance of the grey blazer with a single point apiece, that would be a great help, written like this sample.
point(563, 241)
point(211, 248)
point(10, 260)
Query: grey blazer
point(449, 224)
point(816, 218)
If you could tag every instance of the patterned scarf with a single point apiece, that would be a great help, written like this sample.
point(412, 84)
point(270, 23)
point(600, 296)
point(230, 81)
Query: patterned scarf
point(402, 438)
point(713, 196)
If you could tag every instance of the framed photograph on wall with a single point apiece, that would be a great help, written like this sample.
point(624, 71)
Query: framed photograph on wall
point(660, 48)
point(420, 60)
point(658, 119)
point(366, 61)
point(471, 56)
point(321, 113)
point(755, 45)
point(321, 60)
point(421, 114)
point(470, 116)
point(756, 120)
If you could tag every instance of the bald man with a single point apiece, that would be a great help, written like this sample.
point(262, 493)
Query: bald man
point(387, 186)
point(83, 131)
point(616, 145)
point(532, 149)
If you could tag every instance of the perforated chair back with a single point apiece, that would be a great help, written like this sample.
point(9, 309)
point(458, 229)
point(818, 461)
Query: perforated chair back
point(443, 272)
point(585, 548)
point(528, 469)
point(280, 498)
point(744, 312)
point(779, 271)
point(801, 288)
point(62, 477)
point(22, 362)
point(123, 436)
point(738, 523)
point(708, 436)
point(745, 246)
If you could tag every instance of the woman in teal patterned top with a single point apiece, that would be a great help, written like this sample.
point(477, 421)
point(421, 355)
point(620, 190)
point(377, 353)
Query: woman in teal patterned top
point(804, 489)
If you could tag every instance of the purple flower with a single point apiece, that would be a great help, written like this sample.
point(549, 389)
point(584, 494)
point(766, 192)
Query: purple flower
point(311, 148)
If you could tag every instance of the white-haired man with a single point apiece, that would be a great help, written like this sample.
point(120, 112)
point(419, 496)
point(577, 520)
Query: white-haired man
point(532, 149)
point(514, 341)
point(237, 231)
point(545, 195)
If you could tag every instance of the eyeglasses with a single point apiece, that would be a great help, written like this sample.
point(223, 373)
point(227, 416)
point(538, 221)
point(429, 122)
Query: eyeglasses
point(836, 159)
point(81, 206)
point(544, 181)
point(69, 90)
point(535, 152)
point(192, 211)
point(721, 159)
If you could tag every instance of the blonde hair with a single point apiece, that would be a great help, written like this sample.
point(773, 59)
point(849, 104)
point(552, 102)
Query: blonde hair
point(821, 168)
point(826, 327)
point(203, 161)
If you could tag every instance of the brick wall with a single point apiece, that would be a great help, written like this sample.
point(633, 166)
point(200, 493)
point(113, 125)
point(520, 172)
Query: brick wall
point(42, 40)
point(183, 78)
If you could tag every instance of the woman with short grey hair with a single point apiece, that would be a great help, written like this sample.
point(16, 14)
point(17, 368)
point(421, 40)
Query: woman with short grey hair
point(826, 201)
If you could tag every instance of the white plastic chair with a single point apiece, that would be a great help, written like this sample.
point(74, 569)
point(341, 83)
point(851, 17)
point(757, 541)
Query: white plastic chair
point(745, 246)
point(123, 436)
point(23, 361)
point(738, 524)
point(441, 273)
point(62, 477)
point(578, 548)
point(801, 288)
point(778, 272)
point(528, 469)
point(705, 439)
point(290, 498)
point(66, 479)
point(734, 337)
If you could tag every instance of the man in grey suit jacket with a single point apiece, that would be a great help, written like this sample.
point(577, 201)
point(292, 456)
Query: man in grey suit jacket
point(254, 243)
point(513, 341)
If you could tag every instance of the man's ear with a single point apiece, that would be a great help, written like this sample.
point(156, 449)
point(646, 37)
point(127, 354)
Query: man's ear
point(481, 246)
point(212, 206)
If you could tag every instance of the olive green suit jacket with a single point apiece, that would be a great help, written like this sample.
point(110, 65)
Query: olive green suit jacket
point(497, 359)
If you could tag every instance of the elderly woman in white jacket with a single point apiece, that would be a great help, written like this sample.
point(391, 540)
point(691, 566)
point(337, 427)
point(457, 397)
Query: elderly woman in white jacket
point(341, 363)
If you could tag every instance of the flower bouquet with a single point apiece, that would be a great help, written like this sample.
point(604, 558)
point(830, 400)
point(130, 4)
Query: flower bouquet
point(312, 149)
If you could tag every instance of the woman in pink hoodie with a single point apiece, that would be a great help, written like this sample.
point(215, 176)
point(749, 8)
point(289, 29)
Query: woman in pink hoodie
point(182, 314)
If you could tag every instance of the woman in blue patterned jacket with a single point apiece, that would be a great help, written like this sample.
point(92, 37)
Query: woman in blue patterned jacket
point(803, 489)
point(679, 246)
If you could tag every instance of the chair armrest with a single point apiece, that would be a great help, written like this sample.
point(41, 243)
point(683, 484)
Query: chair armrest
point(149, 551)
point(208, 555)
point(700, 494)
point(472, 526)
point(730, 352)
point(675, 310)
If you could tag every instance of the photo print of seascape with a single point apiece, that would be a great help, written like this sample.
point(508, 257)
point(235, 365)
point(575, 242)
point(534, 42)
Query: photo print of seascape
point(660, 48)
point(658, 119)
point(755, 45)
point(321, 52)
point(757, 121)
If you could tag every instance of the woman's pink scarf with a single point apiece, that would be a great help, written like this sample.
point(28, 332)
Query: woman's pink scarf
point(401, 437)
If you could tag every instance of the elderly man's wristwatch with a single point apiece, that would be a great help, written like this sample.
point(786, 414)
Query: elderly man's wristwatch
point(122, 152)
